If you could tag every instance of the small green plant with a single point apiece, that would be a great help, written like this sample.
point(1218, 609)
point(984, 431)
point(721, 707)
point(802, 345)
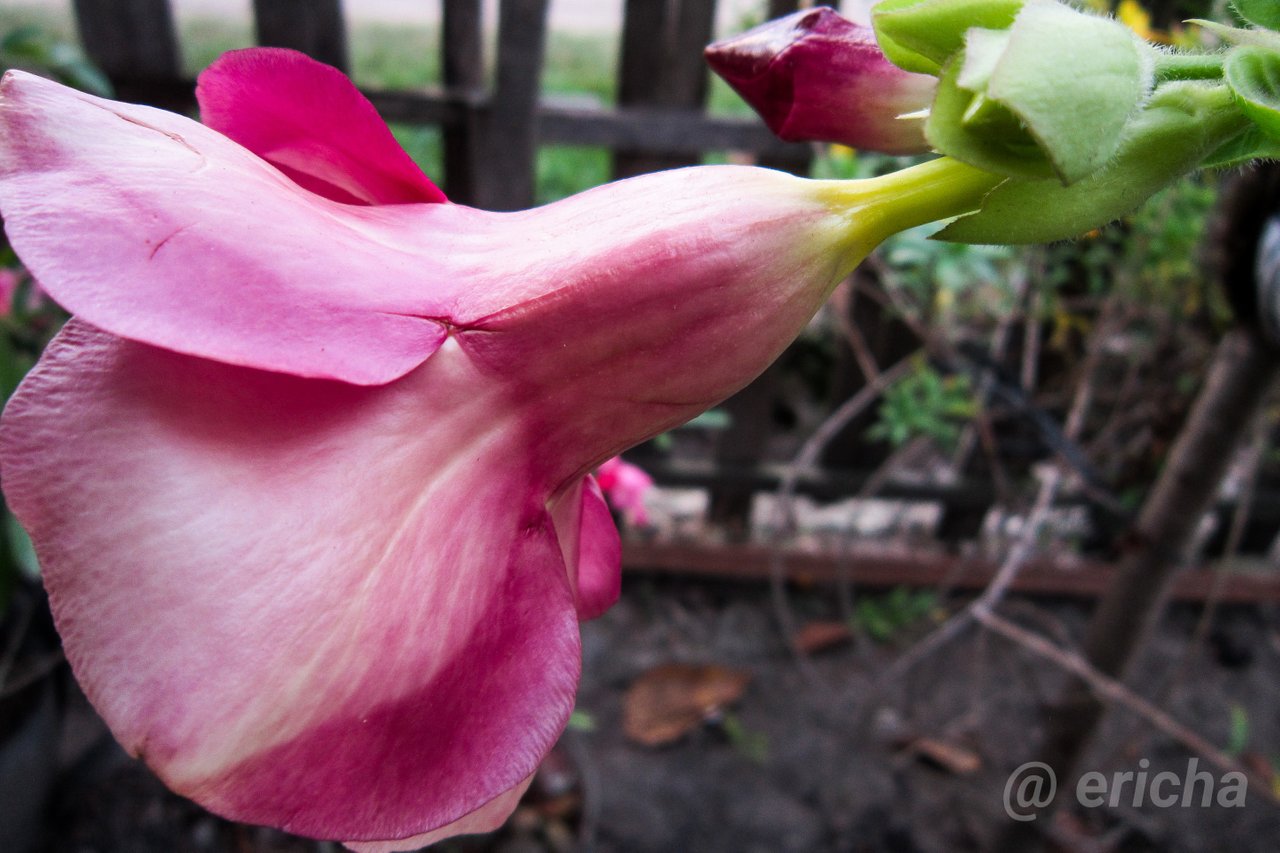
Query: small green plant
point(884, 617)
point(925, 403)
point(1238, 738)
point(33, 48)
point(753, 745)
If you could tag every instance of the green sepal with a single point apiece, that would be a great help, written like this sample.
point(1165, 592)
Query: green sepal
point(979, 136)
point(1183, 123)
point(1238, 35)
point(1260, 13)
point(920, 35)
point(1253, 73)
point(1074, 80)
point(1251, 145)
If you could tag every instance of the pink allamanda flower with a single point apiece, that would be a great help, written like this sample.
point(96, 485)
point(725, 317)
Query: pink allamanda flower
point(258, 464)
point(814, 75)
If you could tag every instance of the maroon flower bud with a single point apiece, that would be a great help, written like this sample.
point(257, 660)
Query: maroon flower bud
point(814, 75)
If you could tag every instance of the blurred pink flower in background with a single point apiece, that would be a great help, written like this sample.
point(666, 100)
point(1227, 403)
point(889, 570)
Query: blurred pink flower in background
point(625, 486)
point(9, 280)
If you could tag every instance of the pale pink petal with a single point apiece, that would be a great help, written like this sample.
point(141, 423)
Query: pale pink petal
point(591, 547)
point(157, 229)
point(302, 602)
point(487, 818)
point(307, 119)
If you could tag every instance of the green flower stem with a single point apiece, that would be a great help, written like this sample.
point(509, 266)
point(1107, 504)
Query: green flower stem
point(1188, 66)
point(883, 206)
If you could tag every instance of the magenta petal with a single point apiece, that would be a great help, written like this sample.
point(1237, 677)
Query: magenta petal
point(487, 818)
point(158, 229)
point(300, 601)
point(309, 121)
point(591, 547)
point(599, 555)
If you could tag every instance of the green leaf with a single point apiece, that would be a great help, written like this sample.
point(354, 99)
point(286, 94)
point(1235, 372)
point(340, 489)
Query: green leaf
point(1075, 80)
point(1183, 123)
point(1238, 739)
point(920, 35)
point(1261, 13)
point(974, 133)
point(1251, 145)
point(1253, 73)
point(22, 552)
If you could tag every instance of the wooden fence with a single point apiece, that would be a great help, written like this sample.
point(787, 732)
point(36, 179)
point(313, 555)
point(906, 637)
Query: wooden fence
point(491, 132)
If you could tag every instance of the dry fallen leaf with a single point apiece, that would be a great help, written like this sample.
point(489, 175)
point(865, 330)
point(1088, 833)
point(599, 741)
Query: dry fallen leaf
point(817, 637)
point(673, 699)
point(948, 756)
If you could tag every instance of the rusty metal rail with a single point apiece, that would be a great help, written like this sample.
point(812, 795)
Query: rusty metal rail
point(877, 567)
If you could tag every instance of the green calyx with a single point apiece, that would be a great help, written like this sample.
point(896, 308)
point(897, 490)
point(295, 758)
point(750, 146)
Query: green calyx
point(1183, 124)
point(1079, 118)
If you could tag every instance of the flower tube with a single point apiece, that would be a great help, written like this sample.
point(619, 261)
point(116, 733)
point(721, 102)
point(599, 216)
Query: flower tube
point(308, 470)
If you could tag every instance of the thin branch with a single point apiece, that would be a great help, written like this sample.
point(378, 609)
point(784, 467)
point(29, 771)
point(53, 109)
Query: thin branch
point(1110, 690)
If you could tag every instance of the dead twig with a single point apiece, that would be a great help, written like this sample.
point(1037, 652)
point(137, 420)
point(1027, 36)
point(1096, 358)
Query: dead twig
point(1112, 691)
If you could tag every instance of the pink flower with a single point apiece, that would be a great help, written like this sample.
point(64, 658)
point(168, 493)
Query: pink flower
point(625, 486)
point(8, 286)
point(258, 463)
point(814, 75)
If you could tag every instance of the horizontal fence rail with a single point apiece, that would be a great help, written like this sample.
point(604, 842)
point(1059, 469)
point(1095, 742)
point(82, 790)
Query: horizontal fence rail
point(491, 132)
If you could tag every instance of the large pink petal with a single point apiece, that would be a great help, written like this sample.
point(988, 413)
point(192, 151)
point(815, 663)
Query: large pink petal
point(304, 603)
point(307, 119)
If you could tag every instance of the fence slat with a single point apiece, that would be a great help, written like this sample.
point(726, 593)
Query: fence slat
point(314, 27)
point(130, 40)
point(511, 125)
point(661, 65)
point(462, 70)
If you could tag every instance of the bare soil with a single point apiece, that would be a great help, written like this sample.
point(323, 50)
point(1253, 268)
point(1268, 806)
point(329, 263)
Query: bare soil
point(818, 755)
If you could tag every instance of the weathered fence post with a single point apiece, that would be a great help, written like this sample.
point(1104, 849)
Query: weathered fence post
point(661, 65)
point(462, 70)
point(130, 40)
point(314, 27)
point(510, 141)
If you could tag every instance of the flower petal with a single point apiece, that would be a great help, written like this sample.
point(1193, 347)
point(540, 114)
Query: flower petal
point(591, 547)
point(302, 602)
point(487, 818)
point(309, 121)
point(157, 229)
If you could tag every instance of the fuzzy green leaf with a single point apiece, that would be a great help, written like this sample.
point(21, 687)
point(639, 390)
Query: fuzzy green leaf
point(984, 135)
point(920, 35)
point(1261, 13)
point(1184, 123)
point(1075, 80)
point(1253, 73)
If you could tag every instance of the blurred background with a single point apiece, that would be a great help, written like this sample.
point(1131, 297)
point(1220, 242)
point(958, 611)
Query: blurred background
point(996, 505)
